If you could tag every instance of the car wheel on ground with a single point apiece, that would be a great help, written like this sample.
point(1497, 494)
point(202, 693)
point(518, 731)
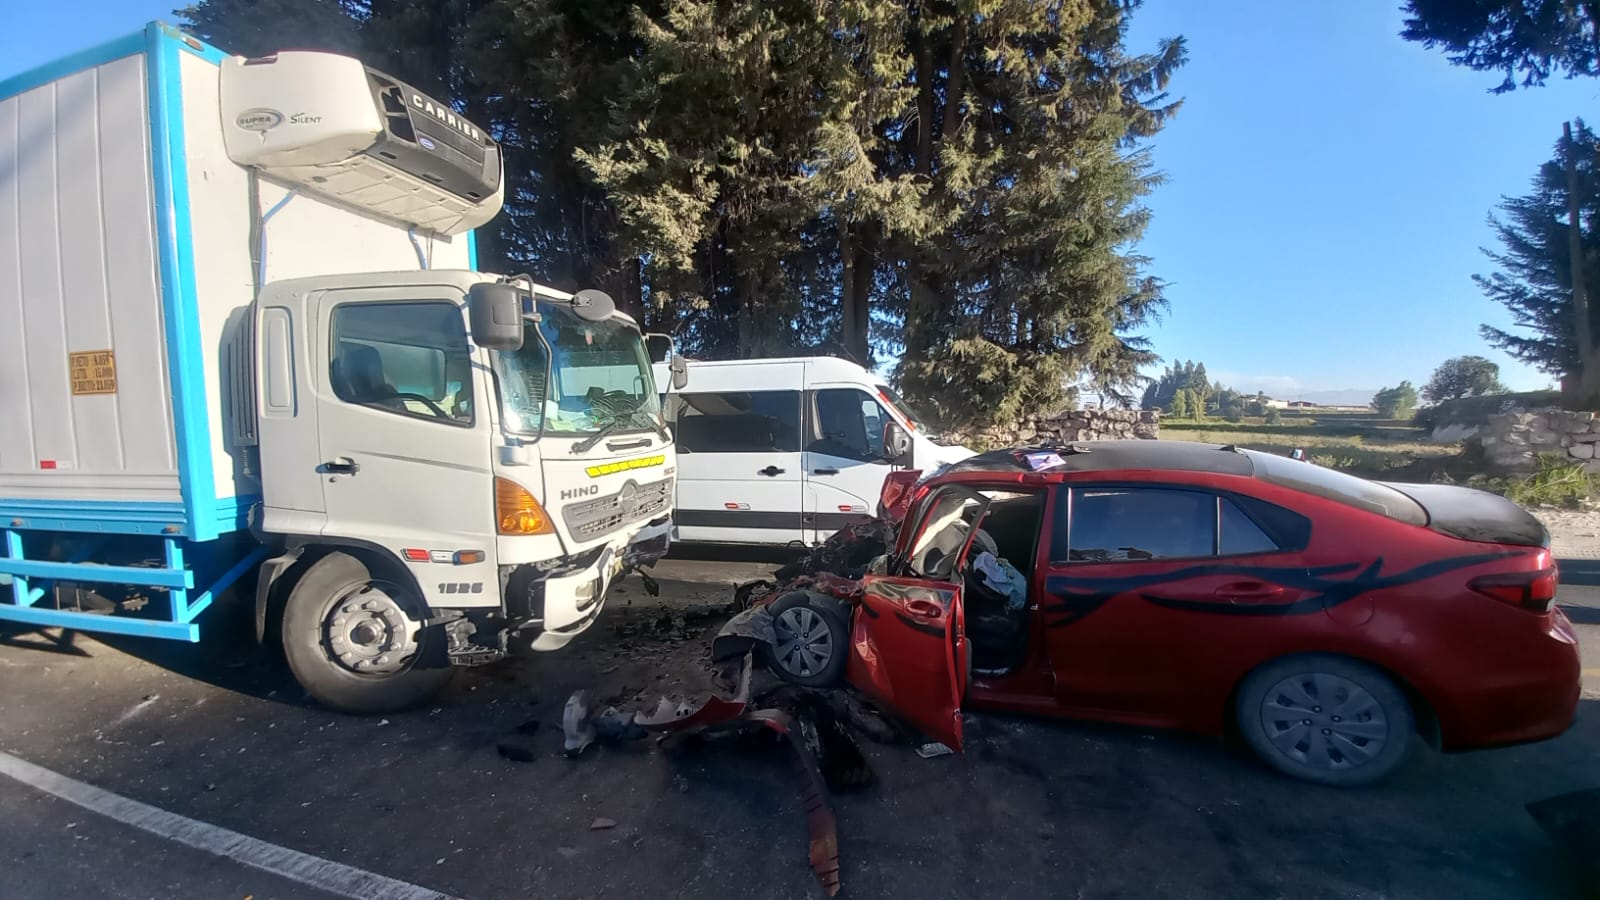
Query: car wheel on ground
point(1327, 719)
point(354, 645)
point(811, 640)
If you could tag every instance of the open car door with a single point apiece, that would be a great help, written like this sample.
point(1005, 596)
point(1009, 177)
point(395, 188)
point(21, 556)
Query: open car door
point(909, 647)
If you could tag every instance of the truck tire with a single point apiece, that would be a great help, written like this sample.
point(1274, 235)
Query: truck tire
point(353, 644)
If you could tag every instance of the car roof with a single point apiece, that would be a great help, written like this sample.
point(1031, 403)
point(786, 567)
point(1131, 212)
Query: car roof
point(1189, 456)
point(1107, 456)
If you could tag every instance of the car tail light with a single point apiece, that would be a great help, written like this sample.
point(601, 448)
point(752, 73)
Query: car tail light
point(516, 512)
point(1534, 591)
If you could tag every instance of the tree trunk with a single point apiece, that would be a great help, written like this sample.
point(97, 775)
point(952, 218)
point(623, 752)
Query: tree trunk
point(925, 98)
point(919, 324)
point(1588, 380)
point(751, 338)
point(956, 76)
point(855, 284)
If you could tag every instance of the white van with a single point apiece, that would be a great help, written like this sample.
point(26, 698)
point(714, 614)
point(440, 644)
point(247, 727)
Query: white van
point(779, 451)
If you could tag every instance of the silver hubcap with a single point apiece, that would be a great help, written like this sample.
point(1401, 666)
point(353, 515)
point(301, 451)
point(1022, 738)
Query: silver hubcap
point(368, 633)
point(805, 645)
point(1324, 721)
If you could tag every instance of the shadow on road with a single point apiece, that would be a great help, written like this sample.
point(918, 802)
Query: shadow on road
point(736, 553)
point(29, 637)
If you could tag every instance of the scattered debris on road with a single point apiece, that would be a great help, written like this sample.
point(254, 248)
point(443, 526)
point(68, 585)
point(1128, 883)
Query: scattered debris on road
point(808, 727)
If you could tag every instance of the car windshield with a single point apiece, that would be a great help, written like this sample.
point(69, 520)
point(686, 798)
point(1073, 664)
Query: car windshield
point(898, 404)
point(573, 377)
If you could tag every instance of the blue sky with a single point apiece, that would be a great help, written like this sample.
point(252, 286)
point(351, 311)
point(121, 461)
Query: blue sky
point(1328, 187)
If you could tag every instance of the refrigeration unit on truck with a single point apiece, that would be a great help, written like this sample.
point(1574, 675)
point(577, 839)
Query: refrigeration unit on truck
point(245, 338)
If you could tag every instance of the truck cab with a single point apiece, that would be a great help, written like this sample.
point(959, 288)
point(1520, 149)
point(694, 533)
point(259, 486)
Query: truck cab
point(502, 480)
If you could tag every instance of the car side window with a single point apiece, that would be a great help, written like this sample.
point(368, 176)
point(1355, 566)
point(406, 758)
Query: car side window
point(1239, 534)
point(736, 421)
point(1114, 524)
point(411, 359)
point(849, 425)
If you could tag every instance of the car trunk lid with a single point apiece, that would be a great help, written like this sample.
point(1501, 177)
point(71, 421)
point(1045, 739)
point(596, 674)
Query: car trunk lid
point(1475, 515)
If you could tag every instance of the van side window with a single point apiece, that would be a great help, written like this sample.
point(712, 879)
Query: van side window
point(849, 425)
point(736, 422)
point(410, 359)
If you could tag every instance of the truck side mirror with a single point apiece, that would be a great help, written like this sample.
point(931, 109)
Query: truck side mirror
point(495, 313)
point(896, 443)
point(680, 371)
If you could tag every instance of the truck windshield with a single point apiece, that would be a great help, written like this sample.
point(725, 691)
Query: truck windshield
point(574, 376)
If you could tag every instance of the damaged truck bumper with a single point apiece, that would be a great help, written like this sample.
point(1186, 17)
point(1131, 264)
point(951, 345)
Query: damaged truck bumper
point(549, 607)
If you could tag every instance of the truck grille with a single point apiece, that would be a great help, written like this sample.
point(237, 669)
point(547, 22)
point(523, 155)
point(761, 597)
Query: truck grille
point(590, 519)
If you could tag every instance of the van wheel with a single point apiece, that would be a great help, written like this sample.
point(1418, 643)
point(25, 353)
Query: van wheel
point(811, 641)
point(352, 644)
point(1326, 719)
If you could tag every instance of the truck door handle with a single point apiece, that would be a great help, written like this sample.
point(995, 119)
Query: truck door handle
point(770, 471)
point(824, 471)
point(343, 465)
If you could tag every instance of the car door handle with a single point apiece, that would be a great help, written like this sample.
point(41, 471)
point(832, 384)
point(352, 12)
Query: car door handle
point(770, 471)
point(925, 609)
point(1249, 592)
point(344, 465)
point(824, 471)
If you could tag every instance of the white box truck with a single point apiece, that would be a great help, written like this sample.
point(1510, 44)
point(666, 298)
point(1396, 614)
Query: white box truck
point(242, 335)
point(788, 451)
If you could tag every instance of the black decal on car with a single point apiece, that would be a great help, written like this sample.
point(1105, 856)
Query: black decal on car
point(1075, 597)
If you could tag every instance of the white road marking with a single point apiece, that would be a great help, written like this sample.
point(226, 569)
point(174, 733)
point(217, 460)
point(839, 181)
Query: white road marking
point(335, 878)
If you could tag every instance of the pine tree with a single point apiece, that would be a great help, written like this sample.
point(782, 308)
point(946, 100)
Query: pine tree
point(260, 27)
point(1534, 280)
point(1533, 38)
point(1023, 129)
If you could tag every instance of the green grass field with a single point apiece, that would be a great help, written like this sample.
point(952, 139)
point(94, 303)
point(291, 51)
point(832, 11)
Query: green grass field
point(1387, 450)
point(1361, 444)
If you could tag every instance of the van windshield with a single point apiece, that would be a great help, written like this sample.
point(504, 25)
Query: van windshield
point(898, 404)
point(573, 377)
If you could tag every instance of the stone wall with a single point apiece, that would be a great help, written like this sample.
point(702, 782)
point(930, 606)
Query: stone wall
point(1074, 426)
point(1512, 442)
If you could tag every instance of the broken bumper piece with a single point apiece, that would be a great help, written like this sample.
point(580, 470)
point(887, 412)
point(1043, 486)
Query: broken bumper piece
point(721, 714)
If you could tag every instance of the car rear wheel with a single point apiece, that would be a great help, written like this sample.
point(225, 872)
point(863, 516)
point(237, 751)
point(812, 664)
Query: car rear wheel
point(812, 640)
point(1327, 719)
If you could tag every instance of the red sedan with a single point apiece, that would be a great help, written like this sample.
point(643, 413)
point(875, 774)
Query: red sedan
point(1328, 618)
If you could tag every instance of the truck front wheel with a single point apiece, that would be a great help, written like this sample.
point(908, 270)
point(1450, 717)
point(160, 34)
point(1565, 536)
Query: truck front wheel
point(354, 646)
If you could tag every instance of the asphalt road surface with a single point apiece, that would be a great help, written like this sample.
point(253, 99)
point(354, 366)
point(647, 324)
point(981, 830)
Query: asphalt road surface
point(218, 733)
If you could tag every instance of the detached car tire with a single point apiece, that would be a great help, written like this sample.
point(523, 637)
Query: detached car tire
point(812, 640)
point(1327, 719)
point(353, 644)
